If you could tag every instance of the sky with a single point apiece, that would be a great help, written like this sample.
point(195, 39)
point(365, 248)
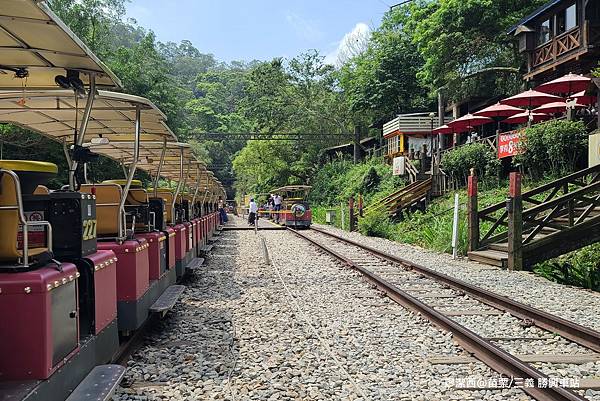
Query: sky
point(259, 29)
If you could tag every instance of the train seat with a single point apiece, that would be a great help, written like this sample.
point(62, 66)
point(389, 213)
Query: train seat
point(11, 235)
point(41, 190)
point(108, 197)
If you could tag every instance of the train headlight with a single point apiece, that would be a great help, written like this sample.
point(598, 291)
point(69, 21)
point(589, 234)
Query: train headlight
point(298, 210)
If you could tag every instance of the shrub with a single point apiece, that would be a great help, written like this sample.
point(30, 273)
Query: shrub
point(376, 224)
point(580, 268)
point(370, 181)
point(458, 162)
point(554, 147)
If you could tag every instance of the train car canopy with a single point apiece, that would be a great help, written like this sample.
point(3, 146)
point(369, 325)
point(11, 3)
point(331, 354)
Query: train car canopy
point(36, 47)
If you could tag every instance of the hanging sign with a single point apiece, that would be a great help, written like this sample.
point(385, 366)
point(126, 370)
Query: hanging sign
point(509, 144)
point(399, 166)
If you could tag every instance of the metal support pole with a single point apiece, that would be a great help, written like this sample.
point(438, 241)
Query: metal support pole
point(196, 191)
point(356, 145)
point(178, 184)
point(441, 121)
point(132, 167)
point(160, 166)
point(83, 129)
point(66, 150)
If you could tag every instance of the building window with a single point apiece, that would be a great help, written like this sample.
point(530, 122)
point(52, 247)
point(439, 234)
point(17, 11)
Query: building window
point(566, 19)
point(545, 32)
point(393, 145)
point(571, 18)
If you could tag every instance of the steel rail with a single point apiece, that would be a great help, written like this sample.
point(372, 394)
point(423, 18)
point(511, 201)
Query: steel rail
point(572, 331)
point(488, 353)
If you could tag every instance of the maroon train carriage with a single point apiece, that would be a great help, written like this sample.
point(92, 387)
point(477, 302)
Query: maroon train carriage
point(295, 208)
point(84, 265)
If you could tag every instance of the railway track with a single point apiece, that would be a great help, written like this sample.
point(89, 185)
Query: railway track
point(461, 308)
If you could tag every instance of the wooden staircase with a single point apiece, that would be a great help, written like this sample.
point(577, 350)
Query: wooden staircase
point(556, 218)
point(402, 199)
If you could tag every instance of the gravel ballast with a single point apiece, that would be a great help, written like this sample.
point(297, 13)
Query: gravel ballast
point(238, 333)
point(578, 305)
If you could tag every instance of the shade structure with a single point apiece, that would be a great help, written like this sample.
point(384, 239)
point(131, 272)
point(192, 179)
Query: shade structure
point(555, 107)
point(36, 46)
point(57, 113)
point(567, 84)
point(584, 99)
point(499, 110)
point(530, 98)
point(444, 129)
point(523, 118)
point(467, 121)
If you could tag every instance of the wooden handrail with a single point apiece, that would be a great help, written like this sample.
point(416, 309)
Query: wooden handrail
point(544, 188)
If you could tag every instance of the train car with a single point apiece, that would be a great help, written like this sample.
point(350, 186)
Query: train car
point(295, 209)
point(84, 266)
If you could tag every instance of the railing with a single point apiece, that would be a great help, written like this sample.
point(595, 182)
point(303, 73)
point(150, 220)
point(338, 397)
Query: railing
point(559, 45)
point(23, 221)
point(566, 197)
point(402, 198)
point(491, 141)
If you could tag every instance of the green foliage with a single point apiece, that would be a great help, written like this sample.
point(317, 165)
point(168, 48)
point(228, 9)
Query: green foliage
point(457, 38)
point(376, 224)
point(370, 181)
point(554, 147)
point(337, 180)
point(580, 268)
point(92, 20)
point(479, 156)
point(319, 216)
point(381, 80)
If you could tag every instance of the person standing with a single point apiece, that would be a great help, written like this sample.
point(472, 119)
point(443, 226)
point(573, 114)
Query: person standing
point(253, 209)
point(277, 206)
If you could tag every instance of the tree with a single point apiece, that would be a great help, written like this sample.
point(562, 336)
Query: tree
point(458, 38)
point(267, 96)
point(381, 81)
point(92, 20)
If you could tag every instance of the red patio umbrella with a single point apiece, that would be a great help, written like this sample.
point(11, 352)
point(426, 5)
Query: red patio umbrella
point(530, 99)
point(567, 84)
point(499, 110)
point(523, 118)
point(582, 98)
point(468, 121)
point(555, 107)
point(444, 129)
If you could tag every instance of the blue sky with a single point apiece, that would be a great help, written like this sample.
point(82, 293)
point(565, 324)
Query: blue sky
point(258, 29)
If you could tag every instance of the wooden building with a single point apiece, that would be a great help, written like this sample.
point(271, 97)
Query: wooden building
point(407, 133)
point(560, 37)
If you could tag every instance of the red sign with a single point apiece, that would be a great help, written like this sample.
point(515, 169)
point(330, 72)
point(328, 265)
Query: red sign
point(509, 144)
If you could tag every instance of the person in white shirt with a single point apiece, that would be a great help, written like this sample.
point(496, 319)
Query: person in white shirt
point(252, 212)
point(277, 206)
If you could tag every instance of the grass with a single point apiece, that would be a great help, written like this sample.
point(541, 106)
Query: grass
point(432, 229)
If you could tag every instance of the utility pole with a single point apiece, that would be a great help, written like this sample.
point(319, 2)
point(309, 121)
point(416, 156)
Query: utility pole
point(357, 155)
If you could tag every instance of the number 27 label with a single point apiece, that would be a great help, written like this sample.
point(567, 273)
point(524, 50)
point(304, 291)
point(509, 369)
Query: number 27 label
point(89, 230)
